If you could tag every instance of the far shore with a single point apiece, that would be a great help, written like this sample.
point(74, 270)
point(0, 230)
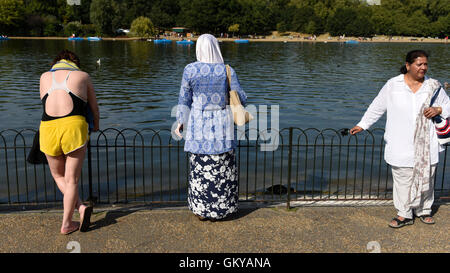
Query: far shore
point(273, 38)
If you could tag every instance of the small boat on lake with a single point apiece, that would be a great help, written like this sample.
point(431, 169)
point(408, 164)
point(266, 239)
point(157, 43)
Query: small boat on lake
point(94, 38)
point(162, 41)
point(352, 42)
point(241, 41)
point(3, 38)
point(75, 39)
point(185, 42)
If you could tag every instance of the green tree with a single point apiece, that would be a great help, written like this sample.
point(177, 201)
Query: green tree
point(51, 26)
point(101, 15)
point(35, 24)
point(383, 20)
point(163, 13)
point(142, 27)
point(73, 28)
point(310, 28)
point(76, 12)
point(302, 17)
point(233, 28)
point(282, 27)
point(254, 16)
point(200, 15)
point(441, 27)
point(418, 24)
point(11, 14)
point(341, 21)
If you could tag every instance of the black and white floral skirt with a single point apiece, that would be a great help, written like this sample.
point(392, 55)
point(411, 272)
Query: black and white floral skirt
point(213, 185)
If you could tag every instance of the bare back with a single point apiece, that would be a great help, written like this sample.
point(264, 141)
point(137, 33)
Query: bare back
point(59, 103)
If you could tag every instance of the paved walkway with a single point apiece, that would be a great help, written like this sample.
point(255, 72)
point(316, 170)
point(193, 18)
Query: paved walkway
point(253, 230)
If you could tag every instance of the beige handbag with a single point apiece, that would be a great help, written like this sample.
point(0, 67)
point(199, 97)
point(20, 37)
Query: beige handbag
point(240, 115)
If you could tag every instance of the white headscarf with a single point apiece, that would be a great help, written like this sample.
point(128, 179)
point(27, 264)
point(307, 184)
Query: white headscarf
point(208, 50)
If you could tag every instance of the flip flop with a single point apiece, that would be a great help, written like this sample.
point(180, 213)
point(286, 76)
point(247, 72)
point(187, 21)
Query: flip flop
point(423, 217)
point(86, 221)
point(401, 223)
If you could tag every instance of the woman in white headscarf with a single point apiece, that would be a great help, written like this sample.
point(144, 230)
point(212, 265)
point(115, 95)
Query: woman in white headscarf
point(208, 130)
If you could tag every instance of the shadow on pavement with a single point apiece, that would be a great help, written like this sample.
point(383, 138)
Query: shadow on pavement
point(111, 218)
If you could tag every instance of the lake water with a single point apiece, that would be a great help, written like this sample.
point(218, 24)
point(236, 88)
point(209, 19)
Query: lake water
point(315, 84)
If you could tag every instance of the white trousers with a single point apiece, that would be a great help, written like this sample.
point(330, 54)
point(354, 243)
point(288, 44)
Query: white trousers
point(402, 177)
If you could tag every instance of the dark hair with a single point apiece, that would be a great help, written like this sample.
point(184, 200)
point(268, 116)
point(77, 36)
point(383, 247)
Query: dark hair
point(67, 55)
point(411, 57)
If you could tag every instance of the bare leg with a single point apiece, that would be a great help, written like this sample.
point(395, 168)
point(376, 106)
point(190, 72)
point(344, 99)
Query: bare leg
point(57, 166)
point(74, 163)
point(66, 171)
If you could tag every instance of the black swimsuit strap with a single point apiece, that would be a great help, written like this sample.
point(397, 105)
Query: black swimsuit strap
point(79, 108)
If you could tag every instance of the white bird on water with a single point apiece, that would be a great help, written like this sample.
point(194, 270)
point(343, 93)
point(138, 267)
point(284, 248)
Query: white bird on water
point(98, 61)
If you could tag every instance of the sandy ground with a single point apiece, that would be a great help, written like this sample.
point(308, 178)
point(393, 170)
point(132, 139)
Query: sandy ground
point(252, 230)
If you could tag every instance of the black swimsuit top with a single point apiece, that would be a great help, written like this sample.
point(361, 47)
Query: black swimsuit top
point(79, 105)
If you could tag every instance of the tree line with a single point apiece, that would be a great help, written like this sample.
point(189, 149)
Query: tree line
point(260, 17)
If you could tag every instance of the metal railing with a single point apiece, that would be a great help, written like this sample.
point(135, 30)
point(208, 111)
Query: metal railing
point(149, 166)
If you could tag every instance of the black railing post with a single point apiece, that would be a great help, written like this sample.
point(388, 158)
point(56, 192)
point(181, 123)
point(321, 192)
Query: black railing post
point(90, 198)
point(291, 129)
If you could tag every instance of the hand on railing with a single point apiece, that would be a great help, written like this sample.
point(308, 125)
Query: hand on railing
point(356, 130)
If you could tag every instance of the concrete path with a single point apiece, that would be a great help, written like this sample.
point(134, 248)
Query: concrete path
point(253, 230)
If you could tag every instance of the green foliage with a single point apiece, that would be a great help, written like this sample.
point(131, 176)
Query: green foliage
point(89, 30)
point(282, 27)
point(233, 28)
point(101, 15)
point(73, 28)
point(142, 27)
point(11, 14)
point(51, 26)
point(352, 17)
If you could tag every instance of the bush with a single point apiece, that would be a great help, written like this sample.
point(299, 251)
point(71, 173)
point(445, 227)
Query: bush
point(51, 26)
point(89, 30)
point(73, 28)
point(142, 27)
point(282, 27)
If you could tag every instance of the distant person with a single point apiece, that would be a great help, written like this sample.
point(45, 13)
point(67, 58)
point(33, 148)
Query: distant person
point(210, 142)
point(66, 92)
point(412, 147)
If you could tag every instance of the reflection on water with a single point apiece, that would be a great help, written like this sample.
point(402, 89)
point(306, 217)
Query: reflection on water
point(316, 85)
point(137, 84)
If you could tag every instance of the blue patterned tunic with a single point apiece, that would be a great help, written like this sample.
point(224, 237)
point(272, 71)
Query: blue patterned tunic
point(202, 105)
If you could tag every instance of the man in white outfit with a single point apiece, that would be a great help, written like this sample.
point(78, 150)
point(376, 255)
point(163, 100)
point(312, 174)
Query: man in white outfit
point(412, 147)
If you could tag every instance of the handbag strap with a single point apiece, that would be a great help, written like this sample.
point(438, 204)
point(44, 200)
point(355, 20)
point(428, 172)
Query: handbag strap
point(436, 119)
point(228, 76)
point(435, 96)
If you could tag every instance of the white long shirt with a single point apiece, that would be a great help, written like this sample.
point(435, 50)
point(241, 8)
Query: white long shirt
point(402, 107)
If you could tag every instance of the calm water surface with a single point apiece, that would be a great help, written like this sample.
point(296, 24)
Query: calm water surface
point(137, 84)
